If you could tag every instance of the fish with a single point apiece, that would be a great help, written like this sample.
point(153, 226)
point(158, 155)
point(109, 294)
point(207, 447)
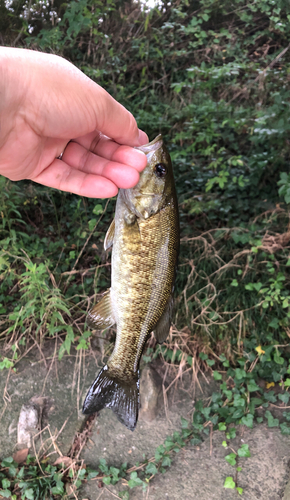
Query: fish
point(145, 239)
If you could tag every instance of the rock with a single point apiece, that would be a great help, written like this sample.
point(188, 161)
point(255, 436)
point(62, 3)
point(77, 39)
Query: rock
point(150, 394)
point(28, 425)
point(33, 417)
point(59, 384)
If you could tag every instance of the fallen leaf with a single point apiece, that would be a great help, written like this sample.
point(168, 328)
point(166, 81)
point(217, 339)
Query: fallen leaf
point(67, 461)
point(270, 384)
point(259, 350)
point(20, 455)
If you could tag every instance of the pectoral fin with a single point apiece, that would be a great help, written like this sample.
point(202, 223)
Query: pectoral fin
point(110, 236)
point(162, 328)
point(101, 315)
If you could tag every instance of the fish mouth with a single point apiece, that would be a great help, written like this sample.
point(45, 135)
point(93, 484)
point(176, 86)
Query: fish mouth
point(152, 146)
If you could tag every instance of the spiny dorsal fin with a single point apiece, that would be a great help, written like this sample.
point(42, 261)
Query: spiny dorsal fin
point(110, 236)
point(122, 396)
point(101, 315)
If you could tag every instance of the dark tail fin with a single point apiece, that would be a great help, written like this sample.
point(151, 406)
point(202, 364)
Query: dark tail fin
point(119, 395)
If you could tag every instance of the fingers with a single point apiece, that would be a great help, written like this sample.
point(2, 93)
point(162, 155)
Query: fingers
point(86, 173)
point(59, 101)
point(97, 150)
point(61, 176)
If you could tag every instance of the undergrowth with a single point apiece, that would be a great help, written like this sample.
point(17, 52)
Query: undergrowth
point(213, 78)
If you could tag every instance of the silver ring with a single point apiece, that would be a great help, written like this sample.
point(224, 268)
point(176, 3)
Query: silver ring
point(61, 154)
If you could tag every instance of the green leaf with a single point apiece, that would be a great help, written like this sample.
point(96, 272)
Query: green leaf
point(217, 375)
point(240, 373)
point(92, 224)
point(244, 451)
point(285, 429)
point(239, 490)
point(135, 480)
point(151, 469)
point(229, 483)
point(277, 358)
point(92, 474)
point(231, 458)
point(247, 420)
point(7, 462)
point(272, 422)
point(231, 434)
point(29, 494)
point(5, 483)
point(252, 386)
point(184, 423)
point(5, 493)
point(106, 480)
point(275, 322)
point(166, 462)
point(284, 397)
point(98, 209)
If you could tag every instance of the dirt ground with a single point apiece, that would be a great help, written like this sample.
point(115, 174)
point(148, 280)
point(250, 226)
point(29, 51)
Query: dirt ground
point(197, 472)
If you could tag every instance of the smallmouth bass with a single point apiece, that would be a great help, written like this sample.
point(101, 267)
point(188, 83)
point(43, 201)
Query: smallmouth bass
point(145, 239)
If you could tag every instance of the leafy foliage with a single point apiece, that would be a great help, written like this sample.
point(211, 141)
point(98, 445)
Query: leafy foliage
point(35, 480)
point(213, 77)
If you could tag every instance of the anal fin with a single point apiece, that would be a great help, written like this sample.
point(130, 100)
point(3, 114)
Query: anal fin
point(162, 327)
point(101, 315)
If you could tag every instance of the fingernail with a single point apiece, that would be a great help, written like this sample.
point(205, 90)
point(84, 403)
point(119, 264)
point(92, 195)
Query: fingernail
point(143, 138)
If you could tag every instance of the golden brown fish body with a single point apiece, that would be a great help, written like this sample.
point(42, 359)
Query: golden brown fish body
point(145, 238)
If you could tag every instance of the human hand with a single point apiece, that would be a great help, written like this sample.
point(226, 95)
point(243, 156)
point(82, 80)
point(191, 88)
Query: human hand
point(46, 103)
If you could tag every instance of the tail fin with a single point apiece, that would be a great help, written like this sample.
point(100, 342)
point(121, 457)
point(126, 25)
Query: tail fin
point(122, 396)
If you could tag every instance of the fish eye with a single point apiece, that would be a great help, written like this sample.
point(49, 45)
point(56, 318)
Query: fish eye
point(160, 169)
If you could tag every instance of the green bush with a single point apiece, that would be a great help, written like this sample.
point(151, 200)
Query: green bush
point(213, 77)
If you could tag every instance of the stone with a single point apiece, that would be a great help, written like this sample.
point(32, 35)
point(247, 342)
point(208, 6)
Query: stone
point(150, 394)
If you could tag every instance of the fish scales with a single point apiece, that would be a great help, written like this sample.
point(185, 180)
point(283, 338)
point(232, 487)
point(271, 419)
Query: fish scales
point(141, 269)
point(145, 238)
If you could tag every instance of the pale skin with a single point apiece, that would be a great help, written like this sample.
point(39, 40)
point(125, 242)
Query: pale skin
point(49, 107)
